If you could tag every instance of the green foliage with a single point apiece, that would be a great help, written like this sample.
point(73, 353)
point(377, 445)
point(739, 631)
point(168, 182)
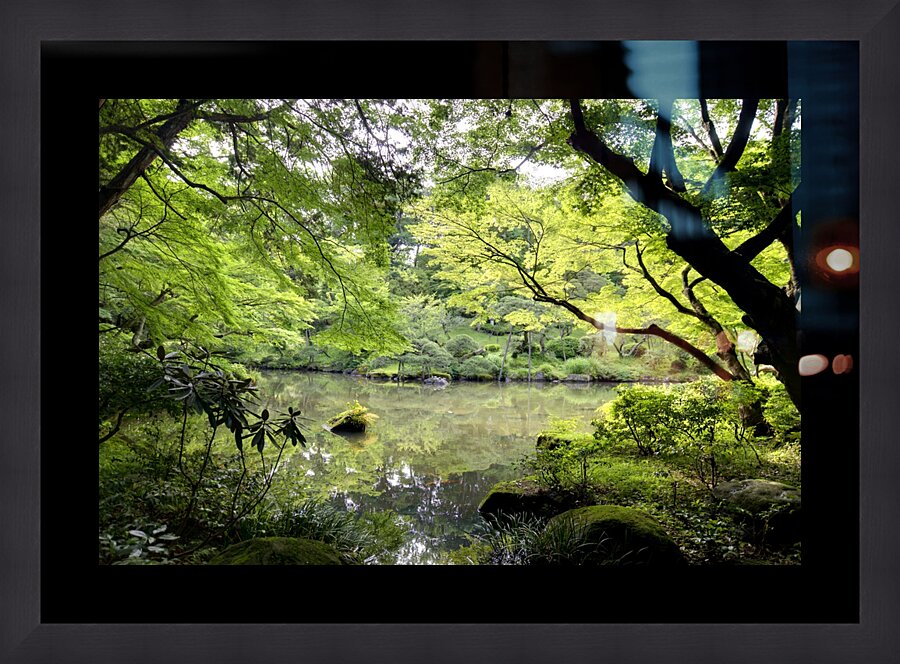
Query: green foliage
point(564, 348)
point(551, 372)
point(698, 425)
point(642, 414)
point(519, 540)
point(782, 414)
point(126, 377)
point(461, 345)
point(578, 365)
point(563, 461)
point(143, 545)
point(372, 537)
point(356, 418)
point(615, 369)
point(480, 368)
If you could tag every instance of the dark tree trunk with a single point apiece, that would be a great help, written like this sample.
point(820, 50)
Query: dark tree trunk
point(112, 191)
point(769, 310)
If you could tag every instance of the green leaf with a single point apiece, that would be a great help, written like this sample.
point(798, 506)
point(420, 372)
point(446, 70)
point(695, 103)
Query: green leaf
point(138, 533)
point(265, 414)
point(259, 439)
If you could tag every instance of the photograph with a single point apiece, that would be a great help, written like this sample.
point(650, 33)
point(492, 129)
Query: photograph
point(472, 348)
point(479, 331)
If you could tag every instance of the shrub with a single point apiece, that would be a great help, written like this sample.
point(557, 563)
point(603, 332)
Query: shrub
point(125, 379)
point(551, 372)
point(780, 412)
point(698, 425)
point(492, 348)
point(564, 459)
point(461, 345)
point(562, 349)
point(478, 367)
point(614, 369)
point(380, 362)
point(590, 344)
point(642, 414)
point(577, 365)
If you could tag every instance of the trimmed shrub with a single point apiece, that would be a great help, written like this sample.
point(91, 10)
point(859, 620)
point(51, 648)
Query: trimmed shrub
point(461, 345)
point(479, 368)
point(562, 349)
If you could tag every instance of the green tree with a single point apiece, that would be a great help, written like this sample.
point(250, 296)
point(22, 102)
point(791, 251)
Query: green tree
point(699, 199)
point(249, 218)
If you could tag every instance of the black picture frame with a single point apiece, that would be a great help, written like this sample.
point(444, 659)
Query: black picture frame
point(24, 637)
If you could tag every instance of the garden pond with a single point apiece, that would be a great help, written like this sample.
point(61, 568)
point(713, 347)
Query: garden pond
point(433, 453)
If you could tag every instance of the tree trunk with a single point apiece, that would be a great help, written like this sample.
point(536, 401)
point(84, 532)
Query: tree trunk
point(505, 351)
point(112, 191)
point(769, 310)
point(528, 341)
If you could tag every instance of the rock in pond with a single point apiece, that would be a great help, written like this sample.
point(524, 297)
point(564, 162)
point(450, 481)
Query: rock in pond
point(278, 551)
point(610, 534)
point(522, 496)
point(771, 509)
point(353, 420)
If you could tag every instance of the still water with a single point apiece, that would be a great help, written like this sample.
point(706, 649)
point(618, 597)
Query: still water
point(433, 453)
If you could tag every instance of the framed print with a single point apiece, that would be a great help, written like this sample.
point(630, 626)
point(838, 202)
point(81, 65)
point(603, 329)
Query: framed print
point(836, 602)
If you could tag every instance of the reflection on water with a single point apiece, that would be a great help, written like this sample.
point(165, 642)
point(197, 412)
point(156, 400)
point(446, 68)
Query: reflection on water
point(432, 455)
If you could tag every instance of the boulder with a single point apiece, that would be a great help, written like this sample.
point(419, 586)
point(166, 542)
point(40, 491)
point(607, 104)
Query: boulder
point(610, 534)
point(353, 420)
point(549, 440)
point(578, 378)
point(436, 381)
point(278, 551)
point(522, 496)
point(771, 510)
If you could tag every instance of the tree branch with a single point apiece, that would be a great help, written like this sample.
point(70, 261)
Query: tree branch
point(112, 191)
point(657, 287)
point(662, 157)
point(780, 228)
point(711, 131)
point(735, 149)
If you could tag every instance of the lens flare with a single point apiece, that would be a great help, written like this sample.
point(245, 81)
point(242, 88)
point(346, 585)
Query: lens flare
point(839, 260)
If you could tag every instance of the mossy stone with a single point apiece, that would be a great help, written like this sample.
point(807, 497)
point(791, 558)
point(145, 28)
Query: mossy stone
point(522, 496)
point(353, 420)
point(278, 551)
point(623, 535)
point(550, 440)
point(772, 510)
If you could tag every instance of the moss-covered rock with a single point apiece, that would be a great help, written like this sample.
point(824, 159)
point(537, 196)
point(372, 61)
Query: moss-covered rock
point(278, 551)
point(550, 440)
point(522, 496)
point(618, 535)
point(353, 420)
point(771, 510)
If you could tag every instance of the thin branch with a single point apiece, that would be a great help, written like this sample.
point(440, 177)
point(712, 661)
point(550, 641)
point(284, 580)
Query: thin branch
point(711, 131)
